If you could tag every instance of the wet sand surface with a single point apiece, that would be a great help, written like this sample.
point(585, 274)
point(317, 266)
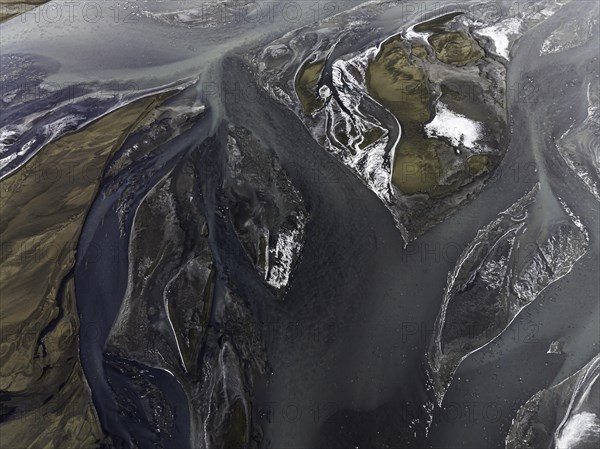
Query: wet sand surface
point(347, 342)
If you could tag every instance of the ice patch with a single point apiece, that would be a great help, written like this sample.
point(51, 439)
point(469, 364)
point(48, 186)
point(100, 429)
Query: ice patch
point(62, 125)
point(287, 249)
point(580, 146)
point(324, 92)
point(581, 428)
point(455, 127)
point(7, 160)
point(7, 136)
point(411, 34)
point(555, 348)
point(47, 130)
point(568, 35)
point(500, 35)
point(574, 218)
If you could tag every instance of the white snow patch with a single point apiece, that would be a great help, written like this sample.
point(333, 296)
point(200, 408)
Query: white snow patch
point(25, 148)
point(455, 127)
point(500, 34)
point(324, 92)
point(411, 34)
point(555, 348)
point(582, 427)
point(574, 218)
point(7, 160)
point(287, 249)
point(6, 136)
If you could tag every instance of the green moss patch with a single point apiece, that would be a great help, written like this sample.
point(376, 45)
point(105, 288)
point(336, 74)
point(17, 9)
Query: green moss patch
point(456, 48)
point(306, 86)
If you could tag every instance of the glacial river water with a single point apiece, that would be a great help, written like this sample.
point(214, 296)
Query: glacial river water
point(347, 343)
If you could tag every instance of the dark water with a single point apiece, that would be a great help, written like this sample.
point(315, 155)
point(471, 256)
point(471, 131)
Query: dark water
point(501, 377)
point(347, 343)
point(101, 280)
point(351, 334)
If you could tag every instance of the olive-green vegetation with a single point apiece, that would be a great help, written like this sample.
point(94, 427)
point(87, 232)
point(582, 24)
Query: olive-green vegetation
point(397, 78)
point(456, 48)
point(43, 206)
point(306, 86)
point(342, 137)
point(11, 8)
point(418, 51)
point(477, 164)
point(401, 86)
point(371, 136)
point(63, 414)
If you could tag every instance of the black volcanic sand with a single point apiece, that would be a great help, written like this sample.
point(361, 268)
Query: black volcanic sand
point(351, 334)
point(502, 377)
point(102, 256)
point(347, 344)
